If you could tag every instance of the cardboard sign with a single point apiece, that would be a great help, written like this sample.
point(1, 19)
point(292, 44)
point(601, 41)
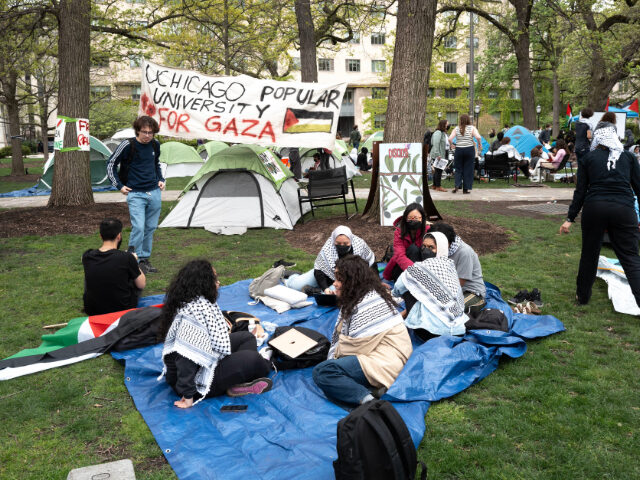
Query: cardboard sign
point(400, 179)
point(240, 109)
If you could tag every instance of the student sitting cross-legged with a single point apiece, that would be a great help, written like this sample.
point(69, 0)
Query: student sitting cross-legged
point(201, 358)
point(370, 343)
point(432, 292)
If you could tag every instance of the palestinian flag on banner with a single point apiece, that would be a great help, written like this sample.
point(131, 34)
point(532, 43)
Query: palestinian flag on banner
point(306, 121)
point(633, 106)
point(81, 339)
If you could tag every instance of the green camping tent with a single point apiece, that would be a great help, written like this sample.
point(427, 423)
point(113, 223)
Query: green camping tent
point(341, 148)
point(207, 149)
point(374, 137)
point(179, 160)
point(98, 155)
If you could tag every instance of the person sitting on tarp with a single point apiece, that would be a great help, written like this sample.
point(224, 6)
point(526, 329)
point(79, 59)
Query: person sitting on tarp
point(370, 343)
point(201, 358)
point(407, 240)
point(113, 280)
point(342, 242)
point(467, 265)
point(432, 292)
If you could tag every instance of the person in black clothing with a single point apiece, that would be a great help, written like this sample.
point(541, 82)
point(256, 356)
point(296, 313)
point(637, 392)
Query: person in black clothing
point(201, 357)
point(294, 162)
point(607, 180)
point(112, 278)
point(362, 162)
point(583, 133)
point(545, 135)
point(497, 142)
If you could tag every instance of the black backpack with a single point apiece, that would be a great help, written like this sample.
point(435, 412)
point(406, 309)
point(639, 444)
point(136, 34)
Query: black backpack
point(374, 444)
point(487, 319)
point(309, 358)
point(125, 163)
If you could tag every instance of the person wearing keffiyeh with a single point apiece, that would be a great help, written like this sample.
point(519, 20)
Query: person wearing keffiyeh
point(432, 292)
point(370, 343)
point(201, 358)
point(608, 177)
point(341, 242)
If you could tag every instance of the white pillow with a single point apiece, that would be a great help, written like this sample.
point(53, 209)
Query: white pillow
point(286, 294)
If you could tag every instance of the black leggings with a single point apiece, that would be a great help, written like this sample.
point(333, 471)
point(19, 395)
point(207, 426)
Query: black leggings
point(412, 253)
point(437, 177)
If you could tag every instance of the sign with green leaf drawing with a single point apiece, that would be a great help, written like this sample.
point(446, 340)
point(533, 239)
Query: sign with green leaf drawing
point(400, 179)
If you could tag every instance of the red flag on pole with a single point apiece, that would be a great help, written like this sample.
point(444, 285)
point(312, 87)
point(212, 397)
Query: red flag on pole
point(606, 109)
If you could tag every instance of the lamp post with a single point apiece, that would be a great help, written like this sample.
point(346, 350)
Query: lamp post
point(538, 110)
point(477, 110)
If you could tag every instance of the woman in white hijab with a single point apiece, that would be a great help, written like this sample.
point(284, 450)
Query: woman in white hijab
point(432, 293)
point(341, 242)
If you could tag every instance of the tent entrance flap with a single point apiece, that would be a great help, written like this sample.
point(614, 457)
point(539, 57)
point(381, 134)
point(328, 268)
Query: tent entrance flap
point(241, 191)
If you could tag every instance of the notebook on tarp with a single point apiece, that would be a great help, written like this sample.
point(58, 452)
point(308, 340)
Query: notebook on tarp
point(293, 343)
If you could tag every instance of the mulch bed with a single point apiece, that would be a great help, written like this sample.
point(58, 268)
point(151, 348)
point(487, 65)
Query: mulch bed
point(482, 236)
point(21, 178)
point(45, 221)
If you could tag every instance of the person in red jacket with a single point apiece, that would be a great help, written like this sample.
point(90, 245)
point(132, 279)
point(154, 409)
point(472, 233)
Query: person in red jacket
point(407, 241)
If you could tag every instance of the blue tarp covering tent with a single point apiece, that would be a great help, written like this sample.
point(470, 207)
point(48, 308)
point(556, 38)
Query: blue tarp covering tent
point(522, 138)
point(290, 431)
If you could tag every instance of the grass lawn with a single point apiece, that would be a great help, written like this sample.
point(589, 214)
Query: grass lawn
point(569, 408)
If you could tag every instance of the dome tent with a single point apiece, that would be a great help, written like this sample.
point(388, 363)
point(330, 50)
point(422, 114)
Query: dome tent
point(98, 156)
point(240, 186)
point(207, 149)
point(374, 137)
point(179, 160)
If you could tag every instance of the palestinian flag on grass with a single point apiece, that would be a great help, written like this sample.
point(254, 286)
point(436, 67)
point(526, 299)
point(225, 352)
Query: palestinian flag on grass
point(81, 339)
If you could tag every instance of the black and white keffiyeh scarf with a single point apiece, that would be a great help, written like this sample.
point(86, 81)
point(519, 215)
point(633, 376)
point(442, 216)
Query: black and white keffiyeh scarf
point(326, 259)
point(370, 317)
point(457, 243)
point(200, 333)
point(434, 283)
point(605, 135)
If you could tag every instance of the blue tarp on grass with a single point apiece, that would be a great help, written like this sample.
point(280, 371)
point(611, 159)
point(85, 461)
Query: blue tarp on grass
point(290, 431)
point(35, 191)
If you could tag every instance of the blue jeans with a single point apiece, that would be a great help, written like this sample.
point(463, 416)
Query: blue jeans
point(342, 379)
point(463, 162)
point(144, 211)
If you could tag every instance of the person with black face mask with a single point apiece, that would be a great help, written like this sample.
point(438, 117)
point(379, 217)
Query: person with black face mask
point(407, 241)
point(112, 278)
point(341, 243)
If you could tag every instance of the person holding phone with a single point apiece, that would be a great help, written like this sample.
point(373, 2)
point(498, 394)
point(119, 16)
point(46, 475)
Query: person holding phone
point(201, 358)
point(113, 279)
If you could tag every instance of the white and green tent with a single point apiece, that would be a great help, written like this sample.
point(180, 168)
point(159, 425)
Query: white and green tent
point(374, 137)
point(98, 155)
point(206, 150)
point(179, 160)
point(241, 186)
point(335, 161)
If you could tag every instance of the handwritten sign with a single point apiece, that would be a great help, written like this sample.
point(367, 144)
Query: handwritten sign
point(82, 130)
point(240, 109)
point(58, 137)
point(400, 179)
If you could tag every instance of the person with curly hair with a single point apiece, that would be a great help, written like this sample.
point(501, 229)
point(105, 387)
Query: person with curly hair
point(201, 358)
point(370, 343)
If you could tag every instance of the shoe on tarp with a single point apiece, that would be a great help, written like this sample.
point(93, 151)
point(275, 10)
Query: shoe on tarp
point(521, 296)
point(534, 297)
point(255, 387)
point(283, 263)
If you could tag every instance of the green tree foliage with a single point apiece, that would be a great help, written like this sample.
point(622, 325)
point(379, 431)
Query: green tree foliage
point(109, 116)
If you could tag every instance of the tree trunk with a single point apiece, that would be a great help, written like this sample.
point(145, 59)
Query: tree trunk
point(600, 85)
point(556, 102)
point(71, 174)
point(307, 36)
point(407, 106)
point(13, 112)
point(525, 78)
point(225, 39)
point(43, 114)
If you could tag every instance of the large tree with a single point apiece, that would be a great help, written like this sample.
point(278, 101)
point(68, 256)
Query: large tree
point(409, 82)
point(518, 33)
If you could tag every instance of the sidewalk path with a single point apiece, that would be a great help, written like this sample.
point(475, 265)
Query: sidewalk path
point(522, 194)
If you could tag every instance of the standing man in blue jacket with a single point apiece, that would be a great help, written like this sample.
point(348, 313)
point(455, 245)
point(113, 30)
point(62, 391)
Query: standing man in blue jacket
point(140, 179)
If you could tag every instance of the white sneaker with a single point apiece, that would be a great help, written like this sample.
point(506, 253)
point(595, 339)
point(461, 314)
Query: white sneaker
point(266, 353)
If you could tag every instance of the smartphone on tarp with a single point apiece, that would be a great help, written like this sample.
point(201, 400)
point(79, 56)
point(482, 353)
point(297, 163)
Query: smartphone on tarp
point(234, 408)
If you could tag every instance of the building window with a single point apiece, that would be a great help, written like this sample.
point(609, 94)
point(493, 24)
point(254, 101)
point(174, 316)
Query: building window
point(431, 92)
point(378, 92)
point(450, 42)
point(101, 92)
point(325, 64)
point(377, 39)
point(356, 38)
point(475, 68)
point(135, 61)
point(515, 94)
point(379, 120)
point(100, 62)
point(135, 92)
point(450, 92)
point(492, 94)
point(378, 66)
point(352, 65)
point(452, 118)
point(295, 63)
point(450, 67)
point(476, 44)
point(347, 99)
point(539, 87)
point(516, 117)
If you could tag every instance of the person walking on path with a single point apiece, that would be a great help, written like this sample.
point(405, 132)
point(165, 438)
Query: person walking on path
point(355, 137)
point(608, 177)
point(438, 154)
point(465, 153)
point(140, 179)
